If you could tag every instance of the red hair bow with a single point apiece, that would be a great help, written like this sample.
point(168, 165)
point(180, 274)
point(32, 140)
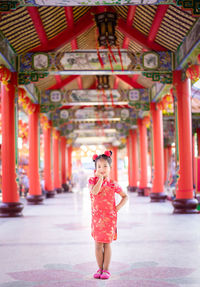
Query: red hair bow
point(94, 156)
point(107, 153)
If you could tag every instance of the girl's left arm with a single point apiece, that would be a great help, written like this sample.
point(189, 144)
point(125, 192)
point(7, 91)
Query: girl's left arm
point(123, 200)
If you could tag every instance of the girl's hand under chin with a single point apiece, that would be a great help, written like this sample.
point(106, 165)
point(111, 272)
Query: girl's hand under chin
point(99, 175)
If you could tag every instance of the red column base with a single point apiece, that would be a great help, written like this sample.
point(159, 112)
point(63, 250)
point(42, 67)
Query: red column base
point(132, 188)
point(185, 206)
point(65, 187)
point(143, 191)
point(34, 199)
point(158, 196)
point(58, 190)
point(198, 196)
point(11, 209)
point(50, 193)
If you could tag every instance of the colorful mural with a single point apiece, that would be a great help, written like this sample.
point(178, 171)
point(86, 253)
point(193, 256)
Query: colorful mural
point(67, 117)
point(96, 2)
point(137, 99)
point(89, 61)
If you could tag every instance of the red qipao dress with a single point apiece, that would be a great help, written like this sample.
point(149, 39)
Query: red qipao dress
point(104, 214)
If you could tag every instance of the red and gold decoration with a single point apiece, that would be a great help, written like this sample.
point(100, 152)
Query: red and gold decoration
point(166, 104)
point(25, 101)
point(193, 72)
point(147, 121)
point(44, 121)
point(55, 134)
point(5, 74)
point(23, 131)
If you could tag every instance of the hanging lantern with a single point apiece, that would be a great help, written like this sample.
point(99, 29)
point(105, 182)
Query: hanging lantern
point(169, 98)
point(5, 74)
point(160, 106)
point(193, 72)
point(147, 121)
point(103, 82)
point(21, 95)
point(106, 23)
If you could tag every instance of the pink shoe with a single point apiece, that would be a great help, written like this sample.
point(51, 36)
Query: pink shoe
point(97, 275)
point(105, 274)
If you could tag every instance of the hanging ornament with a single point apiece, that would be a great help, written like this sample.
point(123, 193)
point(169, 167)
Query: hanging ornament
point(106, 23)
point(103, 82)
point(193, 72)
point(5, 74)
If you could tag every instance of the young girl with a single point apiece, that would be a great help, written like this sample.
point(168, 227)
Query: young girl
point(104, 211)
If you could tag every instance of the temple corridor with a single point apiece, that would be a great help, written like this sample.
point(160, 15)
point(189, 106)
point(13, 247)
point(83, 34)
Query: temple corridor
point(51, 245)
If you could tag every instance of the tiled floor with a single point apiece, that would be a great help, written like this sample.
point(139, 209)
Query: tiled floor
point(51, 246)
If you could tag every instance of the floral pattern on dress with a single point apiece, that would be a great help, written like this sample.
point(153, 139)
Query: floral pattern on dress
point(104, 213)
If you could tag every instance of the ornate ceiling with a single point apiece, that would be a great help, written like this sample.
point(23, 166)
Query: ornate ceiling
point(68, 92)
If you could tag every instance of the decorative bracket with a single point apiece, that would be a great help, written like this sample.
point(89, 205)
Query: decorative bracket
point(193, 5)
point(7, 6)
point(27, 78)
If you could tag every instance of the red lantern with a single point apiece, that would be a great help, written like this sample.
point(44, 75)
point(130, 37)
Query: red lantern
point(159, 105)
point(5, 74)
point(193, 72)
point(169, 98)
point(146, 120)
point(21, 93)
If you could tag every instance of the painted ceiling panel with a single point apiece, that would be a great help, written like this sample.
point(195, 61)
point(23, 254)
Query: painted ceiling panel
point(122, 11)
point(144, 17)
point(174, 27)
point(87, 40)
point(65, 48)
point(45, 83)
point(18, 28)
point(53, 19)
point(134, 47)
point(78, 12)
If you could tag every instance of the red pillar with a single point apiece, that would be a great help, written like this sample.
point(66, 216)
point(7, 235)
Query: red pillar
point(63, 163)
point(114, 163)
point(143, 189)
point(198, 140)
point(35, 192)
point(184, 202)
point(133, 160)
point(129, 159)
point(193, 160)
point(169, 156)
point(48, 186)
point(10, 206)
point(166, 162)
point(69, 162)
point(197, 182)
point(56, 166)
point(150, 163)
point(157, 193)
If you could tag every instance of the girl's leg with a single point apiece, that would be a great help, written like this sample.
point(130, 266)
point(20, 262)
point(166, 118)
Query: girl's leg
point(99, 254)
point(107, 256)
